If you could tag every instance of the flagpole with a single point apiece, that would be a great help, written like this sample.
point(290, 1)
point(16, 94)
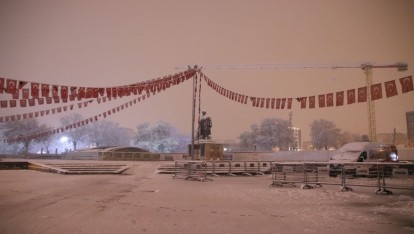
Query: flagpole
point(193, 117)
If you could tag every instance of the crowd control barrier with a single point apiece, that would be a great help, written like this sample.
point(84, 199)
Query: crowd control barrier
point(191, 170)
point(383, 176)
point(233, 168)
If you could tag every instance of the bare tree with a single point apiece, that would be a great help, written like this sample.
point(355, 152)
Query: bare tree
point(22, 131)
point(324, 134)
point(271, 133)
point(107, 133)
point(76, 133)
point(161, 137)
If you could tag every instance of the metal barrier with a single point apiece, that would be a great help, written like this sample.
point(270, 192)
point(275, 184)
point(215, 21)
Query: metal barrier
point(383, 176)
point(191, 170)
point(232, 168)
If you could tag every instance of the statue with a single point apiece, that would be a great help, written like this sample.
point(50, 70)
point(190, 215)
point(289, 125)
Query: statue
point(204, 126)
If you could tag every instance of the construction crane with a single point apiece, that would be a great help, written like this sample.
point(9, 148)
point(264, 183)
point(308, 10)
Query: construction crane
point(365, 66)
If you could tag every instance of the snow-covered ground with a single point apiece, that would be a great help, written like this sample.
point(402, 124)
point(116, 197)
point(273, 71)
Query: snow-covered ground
point(141, 201)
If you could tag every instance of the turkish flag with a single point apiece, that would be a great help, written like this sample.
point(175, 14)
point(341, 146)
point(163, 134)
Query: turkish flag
point(273, 103)
point(282, 105)
point(376, 91)
point(64, 92)
point(303, 102)
point(45, 90)
point(55, 92)
point(108, 92)
point(35, 90)
point(23, 103)
point(11, 86)
point(362, 94)
point(390, 88)
point(321, 99)
point(329, 99)
point(41, 101)
point(289, 101)
point(278, 103)
point(2, 88)
point(16, 95)
point(340, 98)
point(13, 103)
point(406, 84)
point(31, 102)
point(312, 102)
point(25, 93)
point(350, 96)
point(81, 93)
point(49, 100)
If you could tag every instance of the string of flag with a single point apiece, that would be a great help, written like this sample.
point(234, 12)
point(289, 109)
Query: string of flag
point(188, 74)
point(330, 99)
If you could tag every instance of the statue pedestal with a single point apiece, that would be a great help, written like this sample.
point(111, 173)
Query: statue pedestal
point(207, 150)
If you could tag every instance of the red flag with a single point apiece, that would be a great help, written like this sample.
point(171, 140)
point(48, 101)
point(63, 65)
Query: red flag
point(81, 93)
point(16, 95)
point(362, 94)
point(89, 93)
point(108, 92)
point(31, 102)
point(273, 103)
point(41, 101)
point(13, 103)
point(303, 102)
point(340, 98)
point(406, 84)
point(376, 91)
point(35, 90)
point(329, 99)
point(55, 91)
point(282, 105)
point(11, 86)
point(350, 96)
point(25, 93)
point(64, 92)
point(2, 87)
point(390, 88)
point(312, 102)
point(45, 90)
point(49, 100)
point(278, 103)
point(23, 103)
point(289, 101)
point(321, 99)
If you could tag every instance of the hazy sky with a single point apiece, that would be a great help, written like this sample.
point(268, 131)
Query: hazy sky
point(110, 43)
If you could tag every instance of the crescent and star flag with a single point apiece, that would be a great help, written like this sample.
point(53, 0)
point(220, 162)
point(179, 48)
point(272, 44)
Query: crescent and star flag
point(362, 94)
point(340, 98)
point(376, 91)
point(312, 102)
point(350, 96)
point(406, 84)
point(321, 99)
point(390, 88)
point(329, 99)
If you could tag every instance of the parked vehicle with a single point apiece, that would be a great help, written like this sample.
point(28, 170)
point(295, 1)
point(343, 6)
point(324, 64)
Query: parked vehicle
point(361, 152)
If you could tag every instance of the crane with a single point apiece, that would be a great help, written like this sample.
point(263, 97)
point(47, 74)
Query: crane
point(365, 66)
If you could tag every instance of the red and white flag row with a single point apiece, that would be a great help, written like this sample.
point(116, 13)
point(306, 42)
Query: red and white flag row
point(322, 100)
point(40, 93)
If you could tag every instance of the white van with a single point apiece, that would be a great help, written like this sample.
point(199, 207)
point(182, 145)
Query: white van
point(362, 152)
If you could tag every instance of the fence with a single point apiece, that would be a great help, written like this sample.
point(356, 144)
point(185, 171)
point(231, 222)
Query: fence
point(190, 170)
point(383, 176)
